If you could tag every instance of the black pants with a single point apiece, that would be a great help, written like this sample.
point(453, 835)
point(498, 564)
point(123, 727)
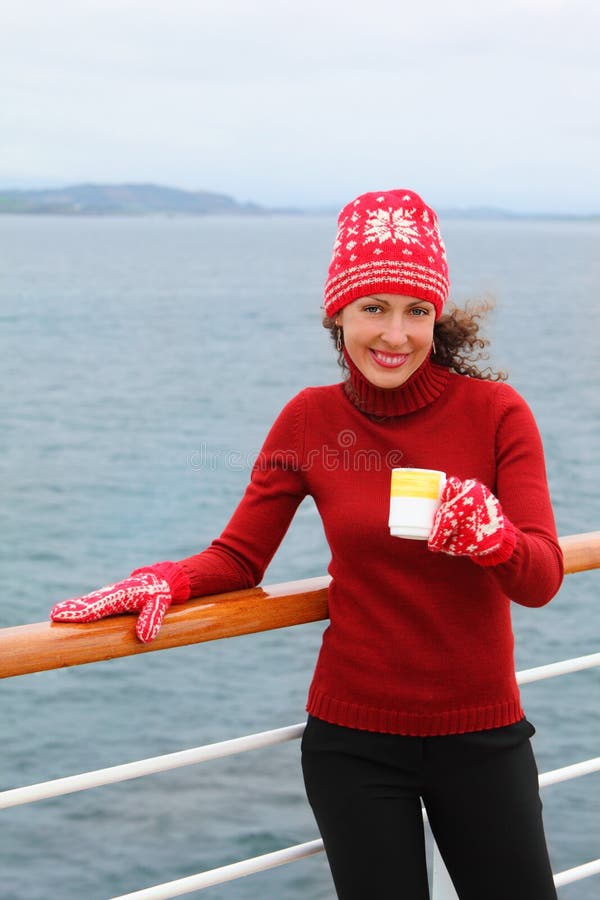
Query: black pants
point(480, 791)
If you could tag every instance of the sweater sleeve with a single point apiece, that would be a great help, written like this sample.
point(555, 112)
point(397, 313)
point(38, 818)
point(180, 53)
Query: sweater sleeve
point(534, 572)
point(238, 558)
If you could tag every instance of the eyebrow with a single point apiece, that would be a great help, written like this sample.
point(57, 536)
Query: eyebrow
point(386, 302)
point(377, 299)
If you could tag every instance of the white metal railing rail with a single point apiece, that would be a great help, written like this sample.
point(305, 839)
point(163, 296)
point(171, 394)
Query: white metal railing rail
point(72, 783)
point(150, 766)
point(226, 873)
point(139, 768)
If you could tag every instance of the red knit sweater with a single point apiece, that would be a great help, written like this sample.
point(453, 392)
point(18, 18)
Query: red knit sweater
point(418, 642)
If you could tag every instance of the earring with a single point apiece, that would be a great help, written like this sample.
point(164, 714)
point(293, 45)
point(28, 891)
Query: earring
point(433, 350)
point(339, 341)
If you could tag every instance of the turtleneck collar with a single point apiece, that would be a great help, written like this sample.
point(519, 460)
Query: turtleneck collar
point(422, 388)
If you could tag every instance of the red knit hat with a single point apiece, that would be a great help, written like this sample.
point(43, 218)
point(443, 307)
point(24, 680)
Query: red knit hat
point(387, 242)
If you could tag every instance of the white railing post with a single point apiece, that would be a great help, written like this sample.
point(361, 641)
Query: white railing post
point(441, 884)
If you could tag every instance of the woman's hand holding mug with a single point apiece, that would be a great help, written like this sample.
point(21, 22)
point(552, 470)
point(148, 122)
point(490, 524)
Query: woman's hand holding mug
point(470, 522)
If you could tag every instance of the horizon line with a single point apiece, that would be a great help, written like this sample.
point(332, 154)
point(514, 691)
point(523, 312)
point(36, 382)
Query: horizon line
point(481, 208)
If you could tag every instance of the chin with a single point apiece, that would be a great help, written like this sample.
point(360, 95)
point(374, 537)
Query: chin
point(389, 383)
point(391, 378)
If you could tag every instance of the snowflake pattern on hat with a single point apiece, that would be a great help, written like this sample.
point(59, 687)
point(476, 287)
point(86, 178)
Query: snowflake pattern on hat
point(391, 225)
point(388, 242)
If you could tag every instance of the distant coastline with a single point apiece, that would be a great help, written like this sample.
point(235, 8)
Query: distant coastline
point(153, 199)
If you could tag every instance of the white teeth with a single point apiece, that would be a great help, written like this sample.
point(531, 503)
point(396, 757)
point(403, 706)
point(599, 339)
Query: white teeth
point(389, 360)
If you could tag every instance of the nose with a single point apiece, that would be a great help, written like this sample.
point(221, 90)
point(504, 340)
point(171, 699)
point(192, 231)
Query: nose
point(395, 331)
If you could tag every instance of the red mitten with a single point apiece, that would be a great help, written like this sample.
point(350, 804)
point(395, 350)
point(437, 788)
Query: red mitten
point(470, 522)
point(149, 591)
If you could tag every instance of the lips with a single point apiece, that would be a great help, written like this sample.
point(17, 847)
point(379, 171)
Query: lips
point(388, 360)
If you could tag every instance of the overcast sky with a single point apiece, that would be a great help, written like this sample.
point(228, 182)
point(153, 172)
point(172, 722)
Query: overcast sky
point(469, 102)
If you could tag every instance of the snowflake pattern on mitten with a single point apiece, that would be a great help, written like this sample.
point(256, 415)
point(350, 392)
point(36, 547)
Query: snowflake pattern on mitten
point(145, 591)
point(470, 522)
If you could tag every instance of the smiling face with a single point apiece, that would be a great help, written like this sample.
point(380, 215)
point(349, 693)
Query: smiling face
point(387, 336)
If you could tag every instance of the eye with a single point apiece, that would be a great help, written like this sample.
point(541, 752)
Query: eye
point(419, 311)
point(372, 308)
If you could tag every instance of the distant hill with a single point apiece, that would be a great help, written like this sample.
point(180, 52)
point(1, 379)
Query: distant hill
point(123, 199)
point(155, 199)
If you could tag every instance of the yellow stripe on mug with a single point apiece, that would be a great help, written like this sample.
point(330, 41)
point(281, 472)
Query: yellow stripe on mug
point(417, 483)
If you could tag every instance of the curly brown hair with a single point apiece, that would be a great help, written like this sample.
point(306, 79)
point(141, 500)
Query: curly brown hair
point(456, 338)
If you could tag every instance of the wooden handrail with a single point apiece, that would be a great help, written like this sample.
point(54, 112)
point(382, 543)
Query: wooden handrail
point(52, 645)
point(581, 551)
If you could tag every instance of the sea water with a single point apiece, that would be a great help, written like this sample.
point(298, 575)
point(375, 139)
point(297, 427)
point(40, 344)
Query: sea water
point(143, 361)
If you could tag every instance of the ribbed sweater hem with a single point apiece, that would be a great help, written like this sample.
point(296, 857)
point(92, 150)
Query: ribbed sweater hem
point(391, 721)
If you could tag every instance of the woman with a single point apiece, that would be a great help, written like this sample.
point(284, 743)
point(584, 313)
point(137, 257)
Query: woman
point(414, 694)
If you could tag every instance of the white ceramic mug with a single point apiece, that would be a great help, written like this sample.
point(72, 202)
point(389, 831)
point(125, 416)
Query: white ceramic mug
point(414, 501)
